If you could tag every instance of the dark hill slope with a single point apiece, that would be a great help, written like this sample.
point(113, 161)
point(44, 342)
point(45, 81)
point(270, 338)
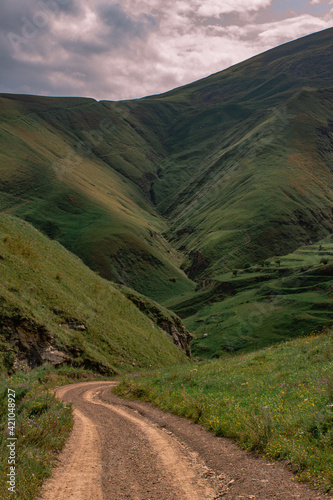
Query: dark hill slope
point(253, 154)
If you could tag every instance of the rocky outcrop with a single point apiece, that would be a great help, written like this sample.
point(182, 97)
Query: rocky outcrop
point(181, 337)
point(163, 318)
point(199, 263)
point(30, 344)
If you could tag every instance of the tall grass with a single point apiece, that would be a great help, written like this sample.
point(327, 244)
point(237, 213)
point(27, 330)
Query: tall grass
point(51, 288)
point(43, 423)
point(277, 401)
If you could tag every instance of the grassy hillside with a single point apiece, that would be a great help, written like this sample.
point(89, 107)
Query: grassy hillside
point(167, 193)
point(277, 401)
point(268, 199)
point(53, 308)
point(253, 155)
point(77, 171)
point(238, 164)
point(275, 300)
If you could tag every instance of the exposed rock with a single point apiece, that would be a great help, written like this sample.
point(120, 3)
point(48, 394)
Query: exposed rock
point(199, 263)
point(31, 343)
point(181, 337)
point(75, 326)
point(165, 319)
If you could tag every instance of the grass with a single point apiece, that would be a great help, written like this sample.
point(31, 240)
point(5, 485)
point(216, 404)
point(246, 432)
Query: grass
point(52, 299)
point(266, 303)
point(92, 200)
point(232, 168)
point(264, 185)
point(43, 423)
point(277, 401)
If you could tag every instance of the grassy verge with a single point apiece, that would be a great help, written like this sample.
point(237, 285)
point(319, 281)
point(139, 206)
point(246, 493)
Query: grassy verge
point(277, 401)
point(43, 424)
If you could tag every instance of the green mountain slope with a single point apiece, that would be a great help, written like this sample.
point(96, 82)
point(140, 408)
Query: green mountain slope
point(253, 151)
point(238, 164)
point(166, 193)
point(73, 168)
point(280, 299)
point(53, 308)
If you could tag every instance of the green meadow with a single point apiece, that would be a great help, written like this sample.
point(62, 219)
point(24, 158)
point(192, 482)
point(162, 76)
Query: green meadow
point(270, 302)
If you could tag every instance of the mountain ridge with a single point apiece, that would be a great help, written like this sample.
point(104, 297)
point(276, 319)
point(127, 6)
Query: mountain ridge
point(163, 193)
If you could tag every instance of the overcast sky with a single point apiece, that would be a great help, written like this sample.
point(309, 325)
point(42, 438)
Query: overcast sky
point(132, 48)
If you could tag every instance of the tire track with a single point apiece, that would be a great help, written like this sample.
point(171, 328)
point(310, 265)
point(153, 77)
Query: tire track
point(129, 450)
point(173, 458)
point(79, 476)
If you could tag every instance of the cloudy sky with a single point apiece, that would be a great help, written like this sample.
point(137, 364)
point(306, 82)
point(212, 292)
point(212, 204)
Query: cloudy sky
point(132, 48)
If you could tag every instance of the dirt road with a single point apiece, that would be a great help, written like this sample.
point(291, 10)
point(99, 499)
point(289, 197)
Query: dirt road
point(130, 450)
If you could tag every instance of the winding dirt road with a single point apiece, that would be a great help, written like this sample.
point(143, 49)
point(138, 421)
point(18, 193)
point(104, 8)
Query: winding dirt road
point(130, 450)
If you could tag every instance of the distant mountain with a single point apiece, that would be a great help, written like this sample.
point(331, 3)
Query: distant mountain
point(75, 169)
point(172, 190)
point(249, 166)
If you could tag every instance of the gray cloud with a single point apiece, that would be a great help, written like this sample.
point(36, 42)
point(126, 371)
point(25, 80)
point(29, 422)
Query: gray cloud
point(117, 29)
point(14, 13)
point(118, 50)
point(123, 25)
